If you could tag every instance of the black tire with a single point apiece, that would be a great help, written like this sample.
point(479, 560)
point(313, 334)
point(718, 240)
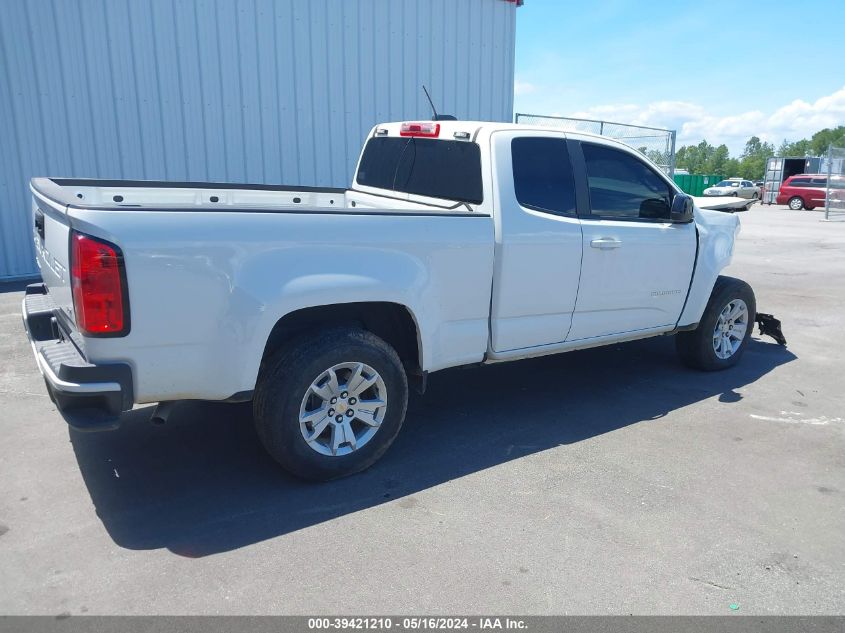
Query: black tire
point(798, 199)
point(286, 377)
point(696, 346)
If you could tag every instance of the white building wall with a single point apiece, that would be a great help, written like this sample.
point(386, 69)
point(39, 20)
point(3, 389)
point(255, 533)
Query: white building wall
point(258, 91)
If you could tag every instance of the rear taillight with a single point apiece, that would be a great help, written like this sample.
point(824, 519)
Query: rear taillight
point(98, 283)
point(424, 129)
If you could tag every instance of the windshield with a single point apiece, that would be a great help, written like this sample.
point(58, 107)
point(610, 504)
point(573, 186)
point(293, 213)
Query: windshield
point(728, 183)
point(422, 166)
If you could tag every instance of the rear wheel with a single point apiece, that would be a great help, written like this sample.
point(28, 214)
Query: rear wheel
point(724, 330)
point(331, 403)
point(796, 203)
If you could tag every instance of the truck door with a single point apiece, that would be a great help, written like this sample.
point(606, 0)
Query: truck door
point(538, 240)
point(637, 265)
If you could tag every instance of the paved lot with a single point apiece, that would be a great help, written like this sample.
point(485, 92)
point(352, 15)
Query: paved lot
point(606, 481)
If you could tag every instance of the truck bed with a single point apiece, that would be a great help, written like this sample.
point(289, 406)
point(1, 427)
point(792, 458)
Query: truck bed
point(208, 280)
point(151, 195)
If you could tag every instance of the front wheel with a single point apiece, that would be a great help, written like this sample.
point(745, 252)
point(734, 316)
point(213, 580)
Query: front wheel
point(331, 403)
point(724, 330)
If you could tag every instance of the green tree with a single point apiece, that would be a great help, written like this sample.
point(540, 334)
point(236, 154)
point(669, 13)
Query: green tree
point(655, 156)
point(798, 148)
point(717, 162)
point(681, 157)
point(823, 138)
point(752, 163)
point(731, 168)
point(693, 158)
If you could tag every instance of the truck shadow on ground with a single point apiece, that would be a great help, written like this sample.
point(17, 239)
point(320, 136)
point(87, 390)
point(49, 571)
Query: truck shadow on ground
point(202, 484)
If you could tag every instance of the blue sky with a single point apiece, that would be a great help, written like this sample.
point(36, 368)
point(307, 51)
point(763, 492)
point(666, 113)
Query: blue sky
point(717, 70)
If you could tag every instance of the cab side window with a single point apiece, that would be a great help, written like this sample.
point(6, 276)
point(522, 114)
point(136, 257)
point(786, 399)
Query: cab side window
point(542, 175)
point(623, 187)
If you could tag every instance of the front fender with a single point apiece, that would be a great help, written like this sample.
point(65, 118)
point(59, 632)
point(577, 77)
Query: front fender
point(717, 234)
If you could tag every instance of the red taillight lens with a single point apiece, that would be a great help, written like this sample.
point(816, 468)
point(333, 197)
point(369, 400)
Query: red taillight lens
point(425, 129)
point(97, 283)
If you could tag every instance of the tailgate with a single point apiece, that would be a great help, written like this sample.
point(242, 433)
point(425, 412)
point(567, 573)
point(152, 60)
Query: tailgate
point(51, 236)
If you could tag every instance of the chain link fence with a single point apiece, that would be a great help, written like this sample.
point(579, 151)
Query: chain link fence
point(657, 144)
point(834, 166)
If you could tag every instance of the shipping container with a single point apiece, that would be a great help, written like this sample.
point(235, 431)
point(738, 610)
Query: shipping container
point(779, 168)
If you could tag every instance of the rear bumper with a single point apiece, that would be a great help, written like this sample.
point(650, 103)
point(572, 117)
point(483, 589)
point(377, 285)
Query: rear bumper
point(781, 199)
point(90, 397)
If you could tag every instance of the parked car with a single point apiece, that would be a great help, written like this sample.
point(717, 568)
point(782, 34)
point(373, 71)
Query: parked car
point(458, 243)
point(807, 191)
point(734, 187)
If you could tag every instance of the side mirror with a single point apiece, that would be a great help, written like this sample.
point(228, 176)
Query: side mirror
point(682, 209)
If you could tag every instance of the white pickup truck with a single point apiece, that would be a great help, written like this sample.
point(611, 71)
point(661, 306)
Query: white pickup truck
point(459, 242)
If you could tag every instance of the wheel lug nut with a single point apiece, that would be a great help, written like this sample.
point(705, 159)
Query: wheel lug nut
point(352, 400)
point(339, 418)
point(331, 412)
point(344, 394)
point(334, 400)
point(350, 413)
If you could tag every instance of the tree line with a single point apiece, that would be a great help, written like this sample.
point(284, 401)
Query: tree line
point(704, 158)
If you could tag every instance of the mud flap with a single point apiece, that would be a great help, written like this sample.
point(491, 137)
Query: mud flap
point(770, 326)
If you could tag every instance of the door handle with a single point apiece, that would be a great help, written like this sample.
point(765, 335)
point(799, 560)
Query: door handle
point(606, 243)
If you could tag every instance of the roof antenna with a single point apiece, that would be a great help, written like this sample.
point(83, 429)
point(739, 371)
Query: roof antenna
point(437, 117)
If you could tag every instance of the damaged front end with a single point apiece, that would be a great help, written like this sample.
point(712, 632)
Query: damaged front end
point(770, 326)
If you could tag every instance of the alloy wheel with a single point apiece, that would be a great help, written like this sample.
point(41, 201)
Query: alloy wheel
point(343, 408)
point(730, 329)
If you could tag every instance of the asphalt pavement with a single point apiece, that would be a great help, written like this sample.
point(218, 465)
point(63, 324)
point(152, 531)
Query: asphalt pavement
point(607, 481)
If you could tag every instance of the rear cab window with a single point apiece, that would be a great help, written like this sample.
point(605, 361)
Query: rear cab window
point(542, 175)
point(445, 169)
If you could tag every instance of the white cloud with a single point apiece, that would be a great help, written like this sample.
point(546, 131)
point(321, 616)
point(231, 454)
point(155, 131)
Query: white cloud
point(523, 88)
point(793, 121)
